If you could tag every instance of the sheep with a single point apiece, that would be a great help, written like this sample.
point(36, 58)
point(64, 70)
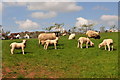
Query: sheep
point(106, 42)
point(72, 36)
point(82, 40)
point(45, 36)
point(64, 34)
point(93, 34)
point(15, 45)
point(47, 42)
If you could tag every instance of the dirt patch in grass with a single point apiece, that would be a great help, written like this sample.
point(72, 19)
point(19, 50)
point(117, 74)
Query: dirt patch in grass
point(8, 72)
point(31, 75)
point(23, 71)
point(42, 72)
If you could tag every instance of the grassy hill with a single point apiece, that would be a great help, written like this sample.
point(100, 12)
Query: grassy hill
point(67, 61)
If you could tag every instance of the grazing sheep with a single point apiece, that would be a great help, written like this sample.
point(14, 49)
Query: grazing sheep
point(82, 40)
point(72, 36)
point(64, 34)
point(93, 34)
point(106, 42)
point(15, 45)
point(46, 36)
point(47, 42)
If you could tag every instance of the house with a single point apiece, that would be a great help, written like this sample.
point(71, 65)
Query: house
point(27, 36)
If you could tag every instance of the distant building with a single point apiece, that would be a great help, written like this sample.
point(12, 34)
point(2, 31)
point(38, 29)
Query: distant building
point(113, 30)
point(27, 36)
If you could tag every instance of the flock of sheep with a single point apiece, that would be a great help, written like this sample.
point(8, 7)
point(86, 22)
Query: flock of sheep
point(50, 38)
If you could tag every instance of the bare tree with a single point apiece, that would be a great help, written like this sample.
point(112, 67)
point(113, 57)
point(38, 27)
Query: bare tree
point(102, 29)
point(56, 26)
point(73, 29)
point(113, 27)
point(49, 28)
point(87, 26)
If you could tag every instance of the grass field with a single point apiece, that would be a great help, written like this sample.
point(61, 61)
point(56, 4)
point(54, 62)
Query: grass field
point(67, 61)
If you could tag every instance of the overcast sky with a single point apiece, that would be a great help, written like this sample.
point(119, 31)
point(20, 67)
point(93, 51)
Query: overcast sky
point(22, 16)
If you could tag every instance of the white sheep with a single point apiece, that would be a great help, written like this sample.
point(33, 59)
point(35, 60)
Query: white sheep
point(82, 40)
point(106, 42)
point(64, 34)
point(93, 34)
point(15, 45)
point(46, 36)
point(72, 36)
point(47, 42)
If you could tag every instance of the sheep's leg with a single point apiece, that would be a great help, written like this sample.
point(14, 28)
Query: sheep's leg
point(112, 47)
point(86, 45)
point(39, 43)
point(44, 46)
point(108, 47)
point(78, 45)
point(47, 46)
point(105, 47)
point(23, 50)
point(12, 51)
point(81, 45)
point(55, 45)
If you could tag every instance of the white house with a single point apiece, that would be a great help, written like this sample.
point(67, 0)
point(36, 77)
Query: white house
point(27, 36)
point(18, 36)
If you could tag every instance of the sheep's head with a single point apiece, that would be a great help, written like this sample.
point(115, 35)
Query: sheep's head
point(43, 42)
point(91, 43)
point(57, 38)
point(100, 45)
point(24, 41)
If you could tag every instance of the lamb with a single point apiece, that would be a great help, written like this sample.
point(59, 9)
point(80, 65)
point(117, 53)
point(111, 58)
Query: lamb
point(15, 45)
point(47, 42)
point(82, 40)
point(46, 36)
point(93, 34)
point(72, 36)
point(107, 42)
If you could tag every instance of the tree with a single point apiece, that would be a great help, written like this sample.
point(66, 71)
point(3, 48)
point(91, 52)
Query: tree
point(113, 27)
point(73, 29)
point(1, 29)
point(87, 26)
point(59, 25)
point(102, 29)
point(56, 26)
point(49, 28)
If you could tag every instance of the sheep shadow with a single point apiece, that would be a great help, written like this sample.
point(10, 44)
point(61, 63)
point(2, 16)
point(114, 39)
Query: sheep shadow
point(97, 37)
point(88, 46)
point(24, 52)
point(58, 46)
point(107, 49)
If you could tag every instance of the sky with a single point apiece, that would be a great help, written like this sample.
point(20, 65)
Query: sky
point(35, 16)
